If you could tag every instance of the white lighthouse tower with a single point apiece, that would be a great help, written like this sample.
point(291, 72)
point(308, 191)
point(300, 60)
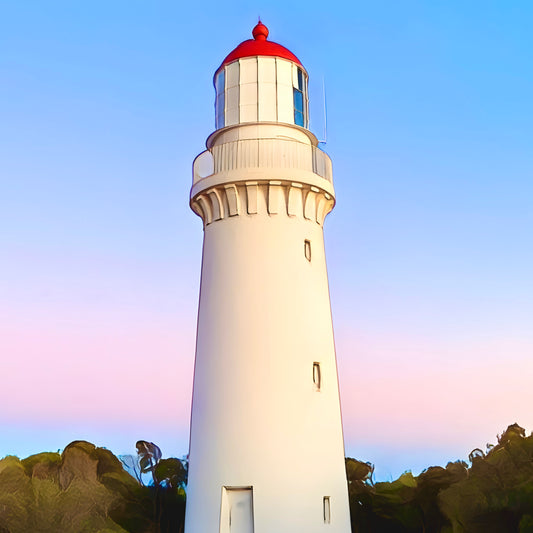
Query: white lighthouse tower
point(266, 449)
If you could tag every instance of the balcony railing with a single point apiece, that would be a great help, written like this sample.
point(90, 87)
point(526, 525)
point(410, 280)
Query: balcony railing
point(262, 153)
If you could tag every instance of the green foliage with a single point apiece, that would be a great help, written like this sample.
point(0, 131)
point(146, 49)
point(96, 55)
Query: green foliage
point(16, 496)
point(169, 479)
point(149, 455)
point(45, 464)
point(498, 492)
point(494, 495)
point(171, 473)
point(84, 490)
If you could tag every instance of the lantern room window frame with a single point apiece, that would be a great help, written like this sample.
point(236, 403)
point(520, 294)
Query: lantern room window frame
point(228, 107)
point(299, 93)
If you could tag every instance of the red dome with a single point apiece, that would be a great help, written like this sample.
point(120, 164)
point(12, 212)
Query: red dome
point(259, 46)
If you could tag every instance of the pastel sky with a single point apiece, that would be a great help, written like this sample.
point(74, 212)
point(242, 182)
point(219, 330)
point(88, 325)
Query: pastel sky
point(103, 107)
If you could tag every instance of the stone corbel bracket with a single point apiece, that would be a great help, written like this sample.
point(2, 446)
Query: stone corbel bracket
point(271, 197)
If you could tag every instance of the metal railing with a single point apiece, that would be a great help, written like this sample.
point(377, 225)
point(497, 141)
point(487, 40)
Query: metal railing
point(262, 153)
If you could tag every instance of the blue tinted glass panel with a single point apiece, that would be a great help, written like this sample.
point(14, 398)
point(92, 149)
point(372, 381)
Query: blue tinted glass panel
point(300, 80)
point(220, 111)
point(298, 107)
point(220, 82)
point(298, 100)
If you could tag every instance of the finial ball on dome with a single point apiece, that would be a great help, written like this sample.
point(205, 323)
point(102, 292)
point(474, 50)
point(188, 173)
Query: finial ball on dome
point(259, 46)
point(260, 32)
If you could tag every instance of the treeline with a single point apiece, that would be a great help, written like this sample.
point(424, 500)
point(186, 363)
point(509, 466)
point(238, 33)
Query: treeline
point(492, 495)
point(86, 489)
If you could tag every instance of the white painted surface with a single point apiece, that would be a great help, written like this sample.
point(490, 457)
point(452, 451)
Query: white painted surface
point(258, 417)
point(253, 148)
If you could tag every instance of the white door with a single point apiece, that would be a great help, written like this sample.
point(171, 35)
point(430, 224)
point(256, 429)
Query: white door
point(237, 510)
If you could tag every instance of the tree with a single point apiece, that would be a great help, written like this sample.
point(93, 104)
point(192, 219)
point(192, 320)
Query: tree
point(149, 455)
point(171, 473)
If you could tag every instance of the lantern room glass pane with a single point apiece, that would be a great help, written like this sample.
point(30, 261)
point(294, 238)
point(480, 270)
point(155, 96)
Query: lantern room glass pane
point(220, 82)
point(220, 85)
point(220, 111)
point(298, 107)
point(300, 80)
point(298, 101)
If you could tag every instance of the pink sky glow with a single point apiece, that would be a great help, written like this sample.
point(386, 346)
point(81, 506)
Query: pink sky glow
point(104, 107)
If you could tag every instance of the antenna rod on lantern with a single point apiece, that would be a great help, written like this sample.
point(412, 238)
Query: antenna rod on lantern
point(325, 112)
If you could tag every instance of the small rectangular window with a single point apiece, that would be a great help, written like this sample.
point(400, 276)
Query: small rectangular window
point(317, 378)
point(307, 249)
point(327, 510)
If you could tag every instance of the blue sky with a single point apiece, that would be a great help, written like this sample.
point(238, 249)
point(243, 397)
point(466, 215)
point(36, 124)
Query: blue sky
point(104, 105)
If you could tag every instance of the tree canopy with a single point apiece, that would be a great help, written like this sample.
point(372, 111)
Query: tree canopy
point(86, 489)
point(492, 495)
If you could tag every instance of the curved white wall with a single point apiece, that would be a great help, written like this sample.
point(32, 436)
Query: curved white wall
point(264, 320)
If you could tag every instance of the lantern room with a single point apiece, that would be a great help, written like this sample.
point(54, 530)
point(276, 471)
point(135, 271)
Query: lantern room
point(261, 81)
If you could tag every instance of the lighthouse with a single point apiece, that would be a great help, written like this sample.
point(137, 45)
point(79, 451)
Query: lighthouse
point(266, 446)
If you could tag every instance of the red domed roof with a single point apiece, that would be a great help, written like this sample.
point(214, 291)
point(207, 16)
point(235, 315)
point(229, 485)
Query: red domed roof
point(259, 46)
